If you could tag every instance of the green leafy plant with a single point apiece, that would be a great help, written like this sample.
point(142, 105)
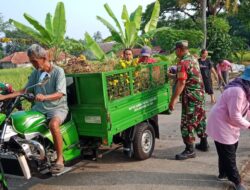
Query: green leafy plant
point(129, 36)
point(219, 41)
point(239, 49)
point(52, 34)
point(167, 38)
point(91, 44)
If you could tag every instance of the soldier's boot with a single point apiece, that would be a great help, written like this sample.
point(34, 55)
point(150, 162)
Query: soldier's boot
point(187, 153)
point(203, 145)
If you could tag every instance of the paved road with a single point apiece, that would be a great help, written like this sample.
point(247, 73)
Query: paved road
point(160, 172)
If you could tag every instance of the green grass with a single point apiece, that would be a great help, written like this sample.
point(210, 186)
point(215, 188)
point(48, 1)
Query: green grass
point(17, 77)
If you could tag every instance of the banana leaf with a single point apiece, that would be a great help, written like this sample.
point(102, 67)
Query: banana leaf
point(112, 15)
point(152, 23)
point(136, 17)
point(59, 23)
point(108, 39)
point(125, 16)
point(94, 47)
point(131, 34)
point(115, 35)
point(38, 26)
point(49, 24)
point(30, 31)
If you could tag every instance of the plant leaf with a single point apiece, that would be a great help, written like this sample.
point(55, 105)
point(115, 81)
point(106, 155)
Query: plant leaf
point(49, 23)
point(115, 35)
point(94, 47)
point(131, 34)
point(152, 23)
point(112, 15)
point(59, 23)
point(136, 17)
point(44, 33)
point(108, 39)
point(125, 16)
point(30, 31)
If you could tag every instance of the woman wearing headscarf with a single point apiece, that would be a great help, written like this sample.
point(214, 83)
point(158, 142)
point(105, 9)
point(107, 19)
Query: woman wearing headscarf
point(224, 128)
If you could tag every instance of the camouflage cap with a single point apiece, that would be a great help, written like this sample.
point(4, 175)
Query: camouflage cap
point(181, 44)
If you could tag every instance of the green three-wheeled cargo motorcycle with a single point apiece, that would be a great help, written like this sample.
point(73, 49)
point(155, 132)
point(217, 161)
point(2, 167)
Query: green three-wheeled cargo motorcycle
point(118, 107)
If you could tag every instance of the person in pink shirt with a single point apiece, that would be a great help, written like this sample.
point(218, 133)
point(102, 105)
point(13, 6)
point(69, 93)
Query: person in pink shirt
point(223, 68)
point(224, 128)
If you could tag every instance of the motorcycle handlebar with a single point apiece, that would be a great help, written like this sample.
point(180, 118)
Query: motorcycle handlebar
point(29, 96)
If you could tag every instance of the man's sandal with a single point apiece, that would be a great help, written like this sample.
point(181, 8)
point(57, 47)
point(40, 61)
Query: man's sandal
point(57, 168)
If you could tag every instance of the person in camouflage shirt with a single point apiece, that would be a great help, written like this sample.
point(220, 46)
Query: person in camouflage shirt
point(191, 89)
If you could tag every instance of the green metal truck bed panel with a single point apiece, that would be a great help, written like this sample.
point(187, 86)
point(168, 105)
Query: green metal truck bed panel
point(108, 103)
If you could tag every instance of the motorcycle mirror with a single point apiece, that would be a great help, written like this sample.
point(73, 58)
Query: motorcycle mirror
point(44, 78)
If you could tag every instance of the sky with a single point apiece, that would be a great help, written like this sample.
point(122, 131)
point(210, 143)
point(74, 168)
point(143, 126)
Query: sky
point(80, 14)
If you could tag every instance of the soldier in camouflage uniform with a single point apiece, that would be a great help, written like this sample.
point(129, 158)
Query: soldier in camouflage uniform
point(191, 89)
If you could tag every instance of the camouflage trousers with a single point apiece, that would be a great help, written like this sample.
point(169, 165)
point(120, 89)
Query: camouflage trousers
point(193, 119)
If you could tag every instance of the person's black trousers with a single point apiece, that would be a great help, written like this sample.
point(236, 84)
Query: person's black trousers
point(227, 161)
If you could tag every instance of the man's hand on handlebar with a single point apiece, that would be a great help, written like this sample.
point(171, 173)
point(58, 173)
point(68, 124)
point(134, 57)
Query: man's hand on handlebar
point(40, 98)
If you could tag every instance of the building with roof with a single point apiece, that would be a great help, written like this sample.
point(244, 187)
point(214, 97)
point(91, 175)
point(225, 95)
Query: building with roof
point(17, 59)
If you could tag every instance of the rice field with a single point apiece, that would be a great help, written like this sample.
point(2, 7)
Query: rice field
point(17, 77)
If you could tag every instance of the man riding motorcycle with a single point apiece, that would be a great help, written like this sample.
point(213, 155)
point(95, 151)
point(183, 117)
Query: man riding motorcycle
point(50, 99)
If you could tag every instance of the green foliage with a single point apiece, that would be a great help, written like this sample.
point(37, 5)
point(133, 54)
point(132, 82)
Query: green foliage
point(72, 47)
point(219, 41)
point(152, 23)
point(239, 49)
point(129, 36)
point(50, 36)
point(17, 77)
point(15, 46)
point(166, 39)
point(171, 58)
point(240, 23)
point(4, 25)
point(247, 57)
point(19, 41)
point(1, 51)
point(94, 47)
point(172, 10)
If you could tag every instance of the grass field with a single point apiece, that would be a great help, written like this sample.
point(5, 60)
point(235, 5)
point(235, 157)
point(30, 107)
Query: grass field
point(17, 77)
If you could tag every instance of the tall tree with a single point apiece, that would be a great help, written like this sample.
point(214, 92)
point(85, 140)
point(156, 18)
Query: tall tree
point(98, 36)
point(204, 23)
point(191, 8)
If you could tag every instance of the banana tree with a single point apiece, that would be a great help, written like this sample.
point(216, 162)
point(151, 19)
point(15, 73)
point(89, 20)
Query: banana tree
point(129, 36)
point(151, 27)
point(52, 34)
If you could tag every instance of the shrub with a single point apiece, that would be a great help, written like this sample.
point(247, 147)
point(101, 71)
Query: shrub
point(218, 39)
point(166, 39)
